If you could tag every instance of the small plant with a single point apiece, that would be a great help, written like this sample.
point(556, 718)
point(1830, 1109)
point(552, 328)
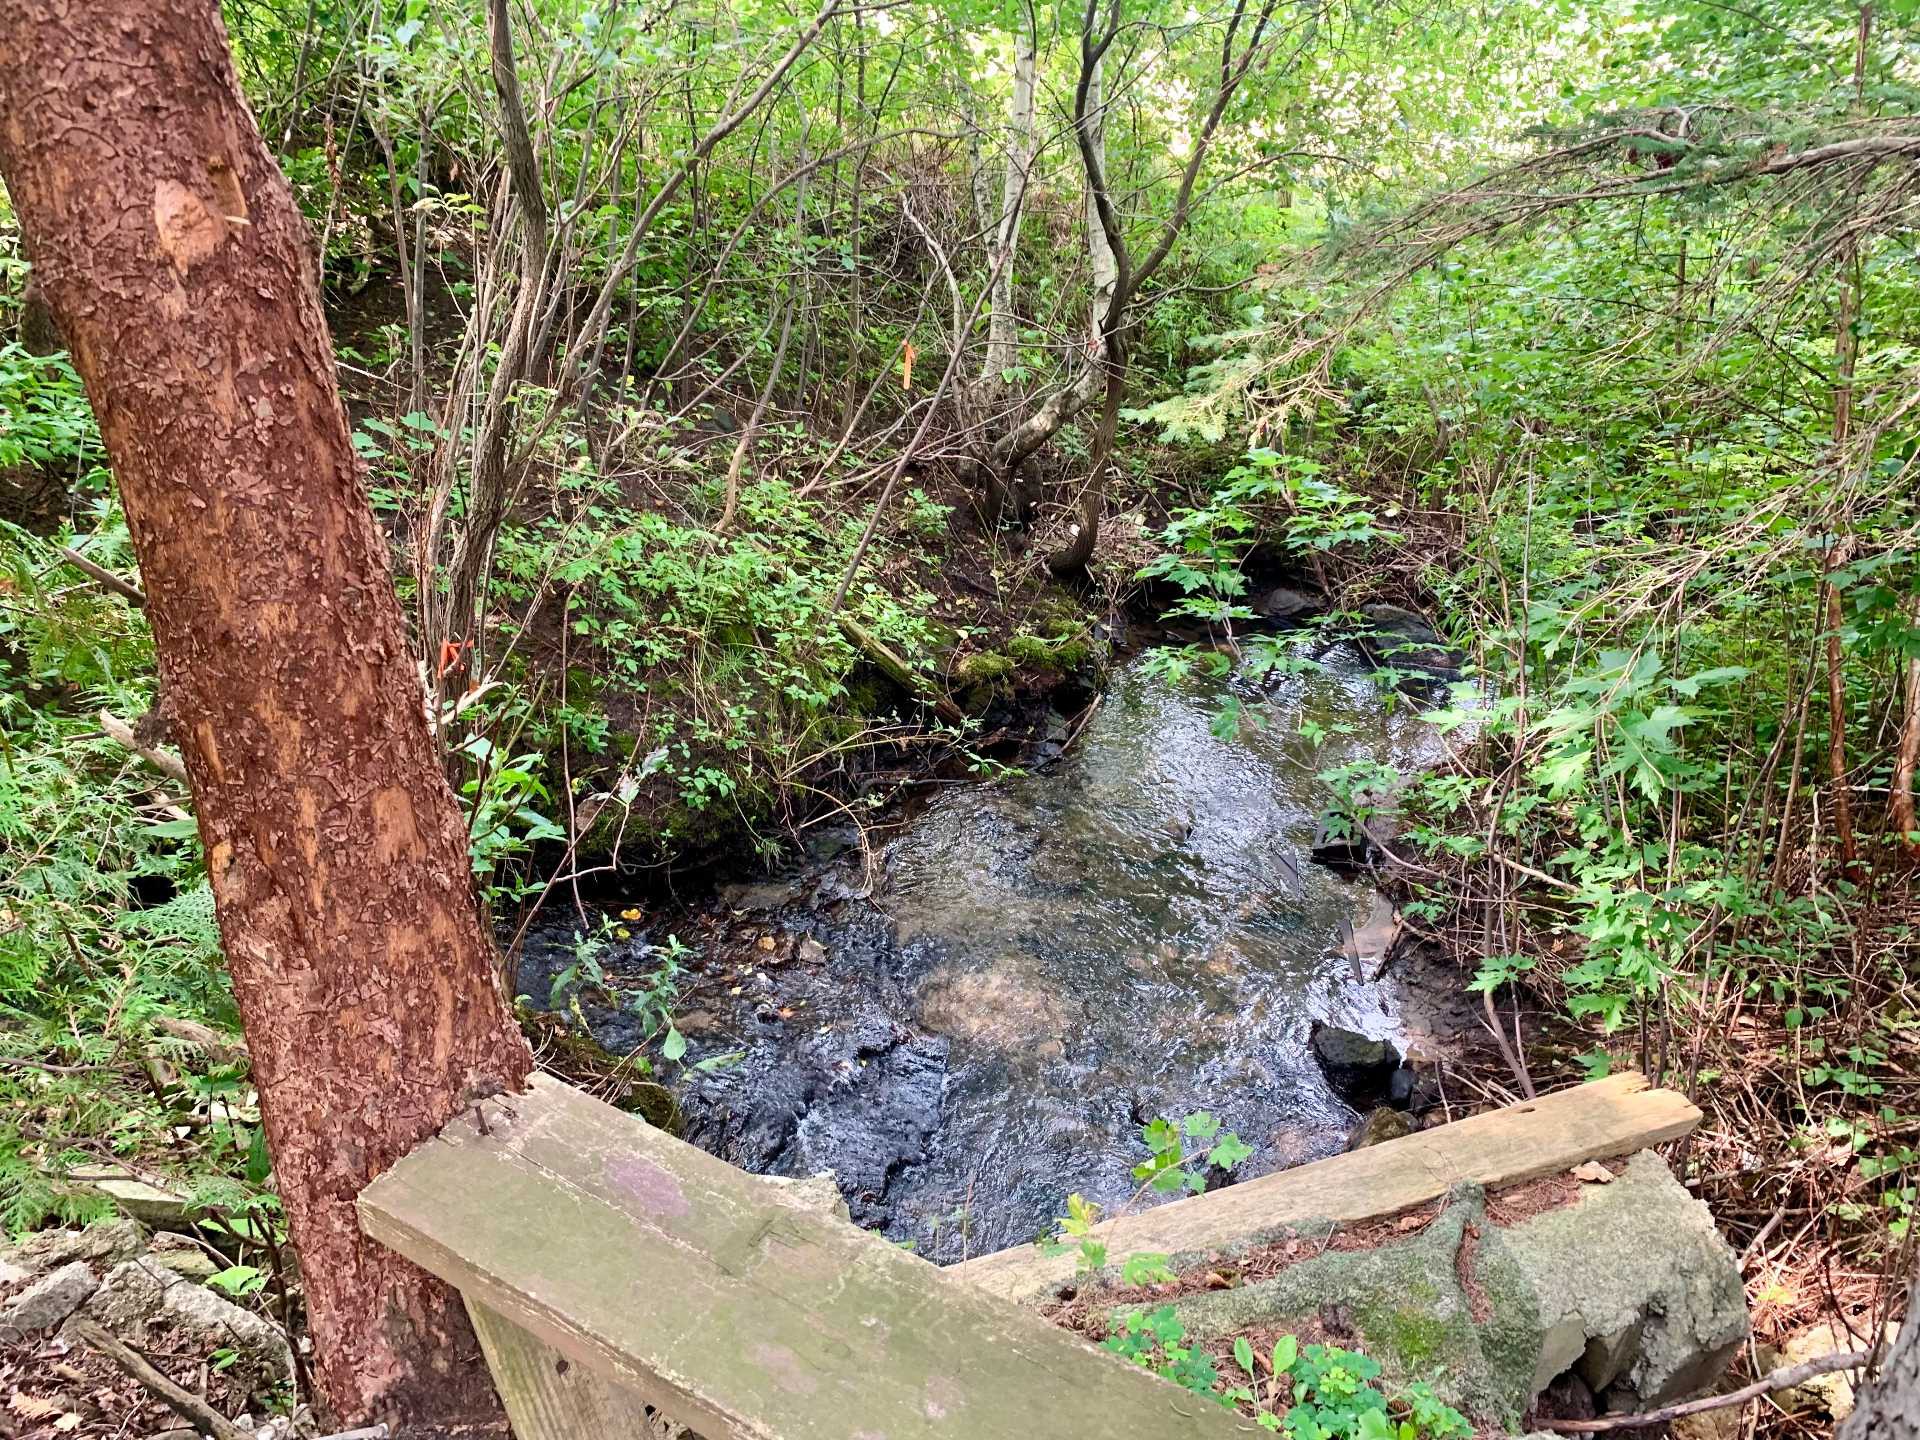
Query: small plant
point(1180, 1157)
point(1327, 1392)
point(650, 999)
point(926, 517)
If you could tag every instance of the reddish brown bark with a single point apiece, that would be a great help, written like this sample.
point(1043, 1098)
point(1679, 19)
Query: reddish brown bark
point(177, 266)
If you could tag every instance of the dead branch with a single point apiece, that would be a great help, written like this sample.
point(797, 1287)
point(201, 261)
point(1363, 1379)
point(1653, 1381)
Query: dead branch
point(125, 589)
point(182, 1402)
point(121, 733)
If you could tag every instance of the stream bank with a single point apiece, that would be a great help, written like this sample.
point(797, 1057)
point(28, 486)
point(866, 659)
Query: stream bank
point(972, 1019)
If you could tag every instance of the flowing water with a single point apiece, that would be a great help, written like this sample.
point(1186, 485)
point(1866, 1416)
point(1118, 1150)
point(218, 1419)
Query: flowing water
point(975, 1021)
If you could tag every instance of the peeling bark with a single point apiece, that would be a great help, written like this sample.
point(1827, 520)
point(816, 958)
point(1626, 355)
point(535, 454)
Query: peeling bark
point(176, 264)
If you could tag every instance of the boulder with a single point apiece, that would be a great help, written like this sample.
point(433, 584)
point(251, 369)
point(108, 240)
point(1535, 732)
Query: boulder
point(1635, 1279)
point(134, 1195)
point(100, 1245)
point(1833, 1393)
point(1358, 1068)
point(141, 1298)
point(48, 1301)
point(184, 1258)
point(1394, 637)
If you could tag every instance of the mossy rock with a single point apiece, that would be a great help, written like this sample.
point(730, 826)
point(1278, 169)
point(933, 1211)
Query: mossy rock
point(983, 667)
point(978, 677)
point(1033, 653)
point(1064, 654)
point(1628, 1284)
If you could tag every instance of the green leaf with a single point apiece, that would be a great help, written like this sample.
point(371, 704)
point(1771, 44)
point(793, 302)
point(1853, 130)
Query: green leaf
point(1692, 685)
point(1201, 1125)
point(1286, 1350)
point(674, 1046)
point(1243, 1354)
point(259, 1166)
point(238, 1279)
point(1229, 1152)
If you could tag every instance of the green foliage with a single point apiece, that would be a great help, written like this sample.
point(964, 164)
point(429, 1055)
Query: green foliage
point(1320, 1392)
point(1272, 498)
point(106, 922)
point(45, 420)
point(648, 993)
point(1180, 1155)
point(727, 641)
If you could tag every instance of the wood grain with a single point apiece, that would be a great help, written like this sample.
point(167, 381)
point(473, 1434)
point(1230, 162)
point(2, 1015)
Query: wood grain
point(735, 1310)
point(1521, 1142)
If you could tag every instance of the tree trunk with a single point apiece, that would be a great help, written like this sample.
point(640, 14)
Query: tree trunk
point(1906, 827)
point(38, 332)
point(179, 270)
point(1112, 291)
point(1842, 804)
point(1003, 325)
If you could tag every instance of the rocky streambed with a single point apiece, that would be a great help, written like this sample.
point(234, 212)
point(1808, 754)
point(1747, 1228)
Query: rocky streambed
point(971, 1020)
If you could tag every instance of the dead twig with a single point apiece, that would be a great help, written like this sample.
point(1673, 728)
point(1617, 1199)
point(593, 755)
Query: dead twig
point(183, 1402)
point(121, 733)
point(125, 589)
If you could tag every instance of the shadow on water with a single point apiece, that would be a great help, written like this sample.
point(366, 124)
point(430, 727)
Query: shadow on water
point(1047, 961)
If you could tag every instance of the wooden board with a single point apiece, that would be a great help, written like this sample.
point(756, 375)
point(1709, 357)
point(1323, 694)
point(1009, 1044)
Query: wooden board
point(1521, 1142)
point(736, 1311)
point(549, 1397)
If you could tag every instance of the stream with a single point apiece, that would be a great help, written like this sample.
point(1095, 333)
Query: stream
point(975, 1018)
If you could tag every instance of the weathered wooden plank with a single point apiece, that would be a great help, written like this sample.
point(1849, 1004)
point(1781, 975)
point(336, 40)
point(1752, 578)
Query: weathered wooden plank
point(736, 1310)
point(1521, 1142)
point(547, 1395)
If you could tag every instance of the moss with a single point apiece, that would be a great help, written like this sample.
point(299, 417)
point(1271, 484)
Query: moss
point(1058, 613)
point(1409, 1331)
point(583, 685)
point(1061, 655)
point(1073, 654)
point(983, 667)
point(1033, 652)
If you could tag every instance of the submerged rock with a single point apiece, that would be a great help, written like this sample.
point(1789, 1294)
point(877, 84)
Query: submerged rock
point(1412, 1088)
point(1394, 637)
point(1357, 1067)
point(1283, 603)
point(1382, 1124)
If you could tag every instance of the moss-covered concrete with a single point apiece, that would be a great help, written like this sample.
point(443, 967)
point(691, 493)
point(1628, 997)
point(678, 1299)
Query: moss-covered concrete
point(1638, 1278)
point(1411, 1312)
point(1630, 1285)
